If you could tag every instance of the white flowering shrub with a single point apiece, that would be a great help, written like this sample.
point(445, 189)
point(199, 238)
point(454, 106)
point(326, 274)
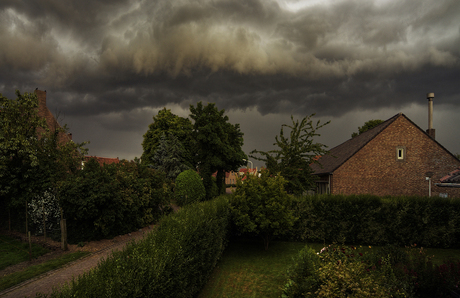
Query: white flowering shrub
point(44, 207)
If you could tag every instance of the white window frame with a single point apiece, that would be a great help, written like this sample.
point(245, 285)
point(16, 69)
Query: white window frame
point(400, 153)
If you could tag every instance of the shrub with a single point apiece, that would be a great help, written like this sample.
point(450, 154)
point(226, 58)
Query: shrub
point(189, 188)
point(102, 202)
point(303, 275)
point(390, 271)
point(262, 206)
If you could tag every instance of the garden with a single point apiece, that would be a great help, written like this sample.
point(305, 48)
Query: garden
point(318, 246)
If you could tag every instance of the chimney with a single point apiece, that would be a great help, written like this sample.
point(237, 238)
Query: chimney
point(41, 95)
point(430, 131)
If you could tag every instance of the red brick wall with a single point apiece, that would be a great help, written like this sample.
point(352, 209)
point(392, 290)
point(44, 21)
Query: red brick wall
point(376, 170)
point(44, 112)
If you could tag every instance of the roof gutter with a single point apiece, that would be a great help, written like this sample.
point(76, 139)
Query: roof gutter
point(457, 185)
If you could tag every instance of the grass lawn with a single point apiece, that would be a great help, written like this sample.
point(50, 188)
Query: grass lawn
point(247, 270)
point(13, 251)
point(12, 279)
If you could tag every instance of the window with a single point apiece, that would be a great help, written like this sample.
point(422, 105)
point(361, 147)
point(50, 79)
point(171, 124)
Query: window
point(400, 153)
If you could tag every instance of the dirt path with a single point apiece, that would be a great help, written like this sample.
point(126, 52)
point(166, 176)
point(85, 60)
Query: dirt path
point(56, 278)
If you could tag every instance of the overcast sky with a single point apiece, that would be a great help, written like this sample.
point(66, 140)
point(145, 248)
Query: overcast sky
point(109, 66)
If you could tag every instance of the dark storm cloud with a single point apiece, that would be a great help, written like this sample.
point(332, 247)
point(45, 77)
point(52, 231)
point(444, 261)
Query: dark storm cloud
point(112, 59)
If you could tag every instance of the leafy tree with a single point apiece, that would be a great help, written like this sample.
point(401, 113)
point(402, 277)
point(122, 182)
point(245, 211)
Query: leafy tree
point(262, 206)
point(295, 154)
point(217, 145)
point(167, 123)
point(367, 125)
point(189, 188)
point(33, 156)
point(169, 158)
point(19, 141)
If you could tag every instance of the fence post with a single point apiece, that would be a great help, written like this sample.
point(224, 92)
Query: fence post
point(63, 234)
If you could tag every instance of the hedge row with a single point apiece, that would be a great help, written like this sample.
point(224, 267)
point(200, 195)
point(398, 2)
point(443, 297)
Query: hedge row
point(430, 222)
point(174, 261)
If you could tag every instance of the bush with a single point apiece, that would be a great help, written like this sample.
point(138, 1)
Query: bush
point(390, 271)
point(174, 261)
point(303, 275)
point(102, 202)
point(189, 188)
point(262, 206)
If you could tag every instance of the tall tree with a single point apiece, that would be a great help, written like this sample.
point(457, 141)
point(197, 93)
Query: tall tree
point(170, 124)
point(169, 157)
point(217, 145)
point(19, 128)
point(33, 157)
point(367, 125)
point(295, 154)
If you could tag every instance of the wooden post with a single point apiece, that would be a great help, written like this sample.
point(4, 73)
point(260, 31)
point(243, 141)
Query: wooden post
point(63, 235)
point(44, 221)
point(30, 247)
point(27, 224)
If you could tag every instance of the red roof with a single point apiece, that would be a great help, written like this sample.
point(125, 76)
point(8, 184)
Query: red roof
point(103, 160)
point(453, 177)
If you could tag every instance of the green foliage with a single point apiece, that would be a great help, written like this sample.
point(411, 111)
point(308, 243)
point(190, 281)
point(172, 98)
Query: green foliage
point(169, 156)
point(33, 156)
point(114, 199)
point(169, 124)
point(19, 141)
point(295, 154)
point(303, 275)
point(217, 145)
point(174, 261)
point(189, 188)
point(367, 125)
point(262, 206)
point(429, 222)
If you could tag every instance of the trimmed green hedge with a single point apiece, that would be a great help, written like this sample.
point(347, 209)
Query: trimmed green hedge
point(429, 222)
point(174, 261)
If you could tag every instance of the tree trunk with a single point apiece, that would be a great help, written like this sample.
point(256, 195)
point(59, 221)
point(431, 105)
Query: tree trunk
point(27, 224)
point(220, 181)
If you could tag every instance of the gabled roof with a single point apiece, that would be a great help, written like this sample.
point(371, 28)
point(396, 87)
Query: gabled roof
point(341, 153)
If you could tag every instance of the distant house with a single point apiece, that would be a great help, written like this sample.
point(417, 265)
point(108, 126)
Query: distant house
point(45, 113)
point(394, 158)
point(230, 177)
point(103, 160)
point(243, 171)
point(53, 124)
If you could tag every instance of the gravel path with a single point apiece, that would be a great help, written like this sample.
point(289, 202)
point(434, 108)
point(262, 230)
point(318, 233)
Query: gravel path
point(56, 278)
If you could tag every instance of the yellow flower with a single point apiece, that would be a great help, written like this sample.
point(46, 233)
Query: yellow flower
point(370, 246)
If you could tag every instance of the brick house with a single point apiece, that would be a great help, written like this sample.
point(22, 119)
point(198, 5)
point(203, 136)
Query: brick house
point(394, 158)
point(45, 113)
point(230, 177)
point(52, 124)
